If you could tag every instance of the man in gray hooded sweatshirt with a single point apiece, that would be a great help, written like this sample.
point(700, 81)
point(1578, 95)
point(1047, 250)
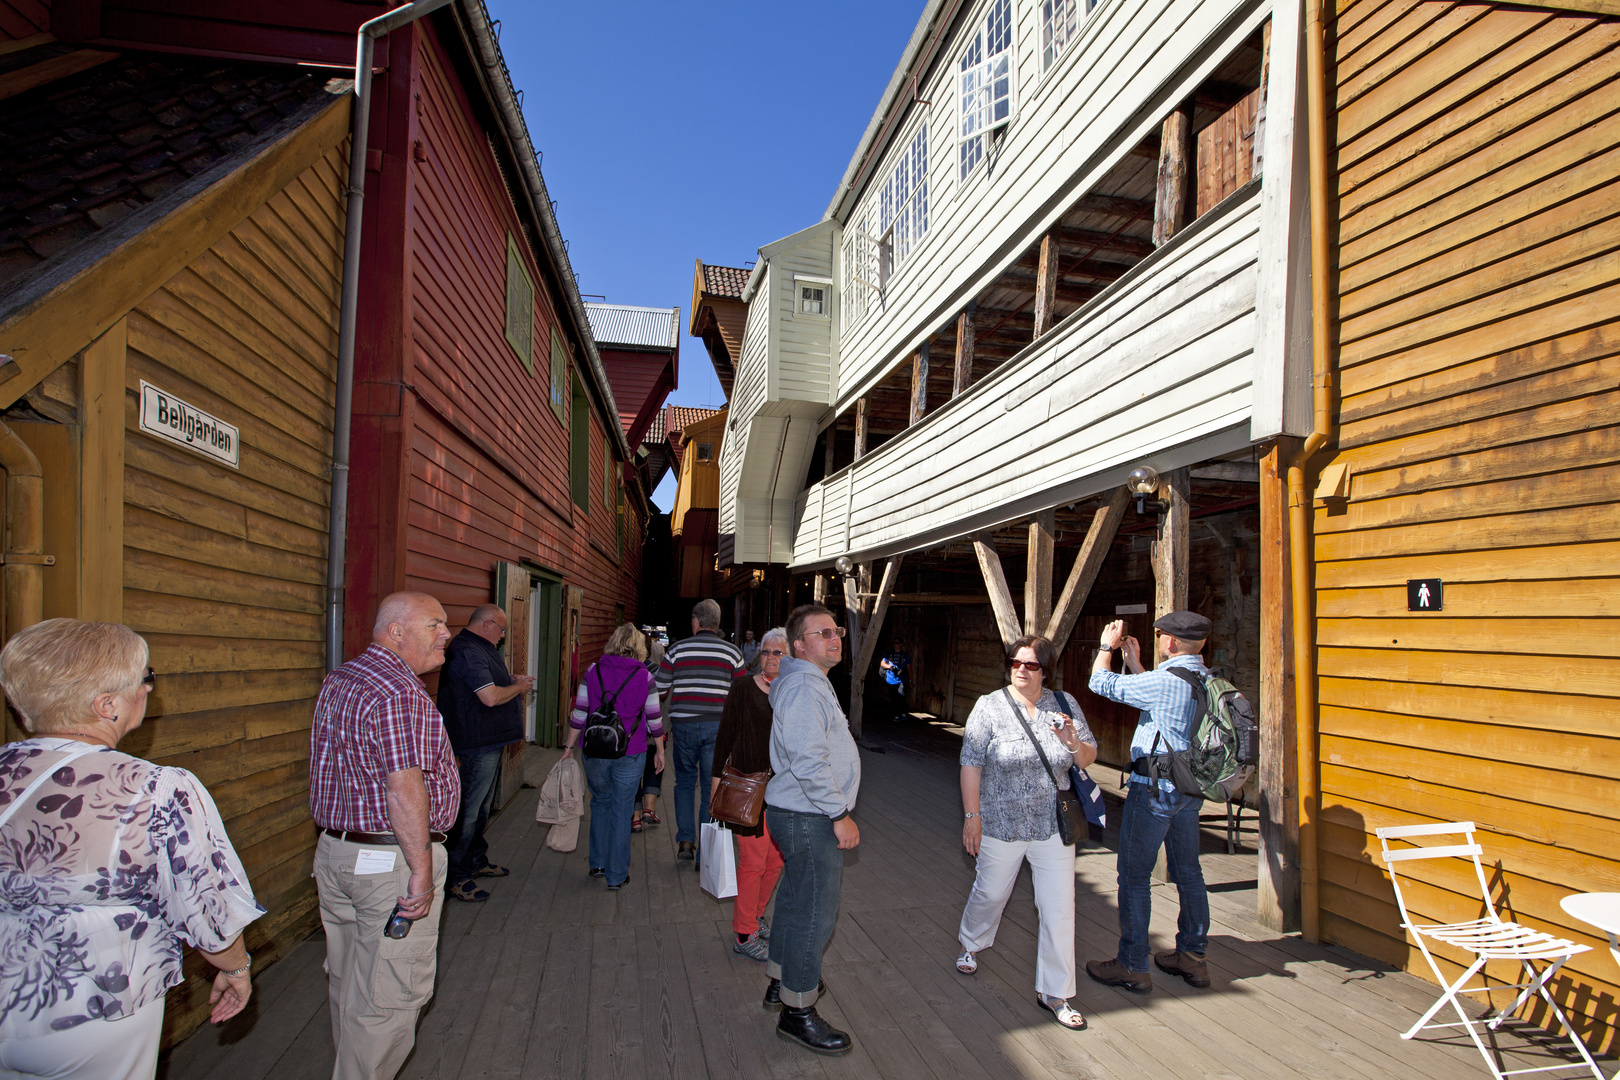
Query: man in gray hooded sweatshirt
point(807, 806)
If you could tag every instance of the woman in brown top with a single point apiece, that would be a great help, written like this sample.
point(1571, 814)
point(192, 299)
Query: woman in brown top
point(745, 739)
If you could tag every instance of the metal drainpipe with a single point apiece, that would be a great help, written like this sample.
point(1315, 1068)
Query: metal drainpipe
point(25, 533)
point(338, 516)
point(1300, 499)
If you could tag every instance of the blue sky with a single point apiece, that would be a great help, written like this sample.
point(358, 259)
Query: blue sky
point(673, 132)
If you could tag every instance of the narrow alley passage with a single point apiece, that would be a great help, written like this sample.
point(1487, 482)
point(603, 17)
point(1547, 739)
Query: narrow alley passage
point(556, 977)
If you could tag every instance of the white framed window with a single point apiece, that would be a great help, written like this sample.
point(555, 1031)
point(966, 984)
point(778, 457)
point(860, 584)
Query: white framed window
point(903, 205)
point(984, 85)
point(812, 299)
point(860, 277)
point(1060, 26)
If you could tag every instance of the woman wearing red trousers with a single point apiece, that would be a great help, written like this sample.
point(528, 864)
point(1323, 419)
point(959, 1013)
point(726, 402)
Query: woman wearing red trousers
point(745, 740)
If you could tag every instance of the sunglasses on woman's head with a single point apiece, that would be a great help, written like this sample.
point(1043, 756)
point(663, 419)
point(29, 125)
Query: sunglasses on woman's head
point(1027, 665)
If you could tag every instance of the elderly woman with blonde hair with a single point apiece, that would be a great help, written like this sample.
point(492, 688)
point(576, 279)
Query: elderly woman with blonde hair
point(621, 678)
point(107, 864)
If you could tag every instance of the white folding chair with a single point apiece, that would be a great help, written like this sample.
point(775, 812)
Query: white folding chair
point(1487, 939)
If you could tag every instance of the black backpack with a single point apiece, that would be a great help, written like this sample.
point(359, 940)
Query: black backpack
point(605, 736)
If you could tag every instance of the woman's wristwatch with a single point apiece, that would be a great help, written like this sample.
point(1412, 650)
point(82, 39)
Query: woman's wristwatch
point(241, 970)
point(970, 814)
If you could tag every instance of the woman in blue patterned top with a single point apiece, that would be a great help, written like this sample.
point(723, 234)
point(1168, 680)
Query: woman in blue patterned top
point(107, 864)
point(1009, 807)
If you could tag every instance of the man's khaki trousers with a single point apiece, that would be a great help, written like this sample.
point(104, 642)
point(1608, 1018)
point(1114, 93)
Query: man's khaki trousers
point(377, 985)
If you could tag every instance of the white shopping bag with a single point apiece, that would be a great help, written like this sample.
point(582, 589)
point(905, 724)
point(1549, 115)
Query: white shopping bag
point(718, 861)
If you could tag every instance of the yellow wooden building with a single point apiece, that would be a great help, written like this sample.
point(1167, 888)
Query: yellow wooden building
point(1475, 154)
point(168, 390)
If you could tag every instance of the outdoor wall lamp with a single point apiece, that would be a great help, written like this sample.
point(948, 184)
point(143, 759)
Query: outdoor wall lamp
point(1143, 482)
point(843, 565)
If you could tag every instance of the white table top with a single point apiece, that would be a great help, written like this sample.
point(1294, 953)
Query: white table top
point(1601, 909)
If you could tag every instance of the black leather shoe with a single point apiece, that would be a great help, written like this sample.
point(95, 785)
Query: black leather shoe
point(773, 994)
point(597, 871)
point(809, 1030)
point(685, 850)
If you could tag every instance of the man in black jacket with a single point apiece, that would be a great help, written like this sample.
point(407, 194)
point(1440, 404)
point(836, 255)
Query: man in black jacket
point(483, 713)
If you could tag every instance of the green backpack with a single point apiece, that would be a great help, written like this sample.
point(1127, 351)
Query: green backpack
point(1225, 744)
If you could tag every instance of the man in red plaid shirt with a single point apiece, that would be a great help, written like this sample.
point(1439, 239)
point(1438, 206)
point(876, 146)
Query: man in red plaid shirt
point(384, 789)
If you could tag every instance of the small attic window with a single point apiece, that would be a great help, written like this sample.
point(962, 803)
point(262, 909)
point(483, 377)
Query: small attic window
point(705, 452)
point(812, 299)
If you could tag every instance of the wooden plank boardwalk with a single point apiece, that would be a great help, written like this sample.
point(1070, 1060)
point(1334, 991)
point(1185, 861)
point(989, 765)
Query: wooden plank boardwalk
point(556, 977)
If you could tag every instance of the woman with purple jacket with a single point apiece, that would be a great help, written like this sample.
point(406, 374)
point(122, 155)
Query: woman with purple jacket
point(620, 676)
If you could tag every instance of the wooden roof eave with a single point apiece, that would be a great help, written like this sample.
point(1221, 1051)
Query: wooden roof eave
point(478, 37)
point(65, 306)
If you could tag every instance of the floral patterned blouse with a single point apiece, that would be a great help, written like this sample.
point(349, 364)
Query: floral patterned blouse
point(116, 862)
point(1016, 798)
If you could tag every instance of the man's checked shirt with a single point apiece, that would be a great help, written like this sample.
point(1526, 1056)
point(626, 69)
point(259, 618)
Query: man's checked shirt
point(1166, 704)
point(374, 717)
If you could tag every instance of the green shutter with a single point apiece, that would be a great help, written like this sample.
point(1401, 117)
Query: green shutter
point(579, 457)
point(519, 306)
point(559, 376)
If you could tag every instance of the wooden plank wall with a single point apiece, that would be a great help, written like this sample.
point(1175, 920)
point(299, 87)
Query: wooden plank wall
point(224, 568)
point(21, 19)
point(1478, 165)
point(1226, 152)
point(488, 463)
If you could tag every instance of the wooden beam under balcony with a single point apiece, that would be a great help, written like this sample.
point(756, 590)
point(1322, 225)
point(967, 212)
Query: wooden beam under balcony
point(1046, 281)
point(1116, 205)
point(1091, 241)
point(1175, 169)
point(962, 371)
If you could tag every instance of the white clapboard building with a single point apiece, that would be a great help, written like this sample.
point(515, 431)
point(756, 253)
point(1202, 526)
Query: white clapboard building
point(1009, 176)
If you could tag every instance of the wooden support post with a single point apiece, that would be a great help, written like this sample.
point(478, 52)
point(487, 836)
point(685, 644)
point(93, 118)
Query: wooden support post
point(995, 583)
point(862, 423)
point(1038, 572)
point(1104, 524)
point(739, 615)
point(831, 457)
point(1175, 152)
point(919, 385)
point(962, 376)
point(1046, 283)
point(1277, 895)
point(101, 490)
point(1170, 550)
point(852, 633)
point(818, 588)
point(862, 658)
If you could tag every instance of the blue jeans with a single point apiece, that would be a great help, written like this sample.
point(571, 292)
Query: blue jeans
point(613, 783)
point(466, 848)
point(806, 901)
point(694, 762)
point(1152, 818)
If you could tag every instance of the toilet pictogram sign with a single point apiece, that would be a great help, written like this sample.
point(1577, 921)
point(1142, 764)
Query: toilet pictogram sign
point(1424, 594)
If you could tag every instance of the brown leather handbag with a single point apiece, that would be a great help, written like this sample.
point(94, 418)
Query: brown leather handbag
point(740, 798)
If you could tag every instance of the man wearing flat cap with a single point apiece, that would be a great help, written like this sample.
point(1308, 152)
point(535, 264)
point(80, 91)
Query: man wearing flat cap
point(1155, 812)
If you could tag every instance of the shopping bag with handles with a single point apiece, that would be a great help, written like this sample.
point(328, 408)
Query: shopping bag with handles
point(717, 861)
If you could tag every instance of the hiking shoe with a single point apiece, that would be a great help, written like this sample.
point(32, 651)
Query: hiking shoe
point(1189, 967)
point(469, 891)
point(492, 870)
point(1114, 973)
point(751, 947)
point(764, 931)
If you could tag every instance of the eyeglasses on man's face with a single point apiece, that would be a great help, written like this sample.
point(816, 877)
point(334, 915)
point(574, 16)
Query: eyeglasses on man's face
point(1027, 665)
point(824, 634)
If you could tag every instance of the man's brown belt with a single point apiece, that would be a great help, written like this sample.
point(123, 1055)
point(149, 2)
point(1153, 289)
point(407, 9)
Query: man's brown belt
point(384, 838)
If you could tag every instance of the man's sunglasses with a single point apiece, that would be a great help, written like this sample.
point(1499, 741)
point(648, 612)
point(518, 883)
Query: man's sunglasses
point(1027, 665)
point(829, 632)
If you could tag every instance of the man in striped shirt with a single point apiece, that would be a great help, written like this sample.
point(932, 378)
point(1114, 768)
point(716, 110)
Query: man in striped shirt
point(696, 675)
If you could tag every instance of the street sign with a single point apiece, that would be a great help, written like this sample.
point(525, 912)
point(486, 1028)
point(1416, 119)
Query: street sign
point(167, 417)
point(1424, 594)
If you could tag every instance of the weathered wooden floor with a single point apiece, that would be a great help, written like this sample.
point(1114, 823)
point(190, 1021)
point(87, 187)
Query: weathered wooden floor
point(556, 977)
